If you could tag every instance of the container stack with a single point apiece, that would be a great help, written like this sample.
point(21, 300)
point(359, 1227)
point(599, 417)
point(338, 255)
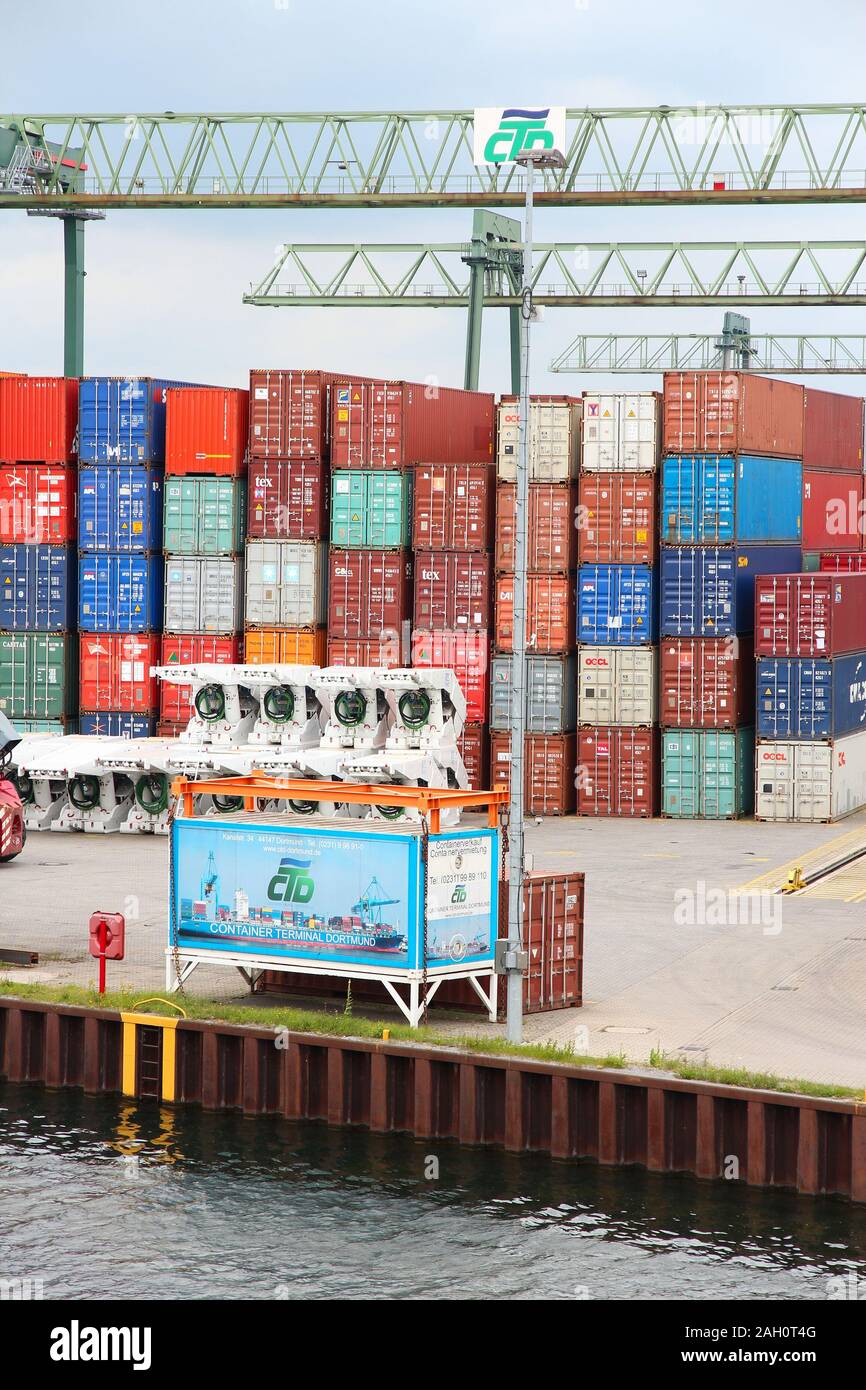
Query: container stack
point(551, 717)
point(204, 525)
point(38, 645)
point(617, 597)
point(731, 510)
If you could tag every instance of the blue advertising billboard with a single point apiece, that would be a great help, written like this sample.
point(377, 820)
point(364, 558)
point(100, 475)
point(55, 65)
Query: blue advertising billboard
point(331, 895)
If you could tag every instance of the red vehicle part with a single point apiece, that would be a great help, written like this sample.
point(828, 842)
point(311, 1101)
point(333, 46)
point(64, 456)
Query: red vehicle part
point(12, 833)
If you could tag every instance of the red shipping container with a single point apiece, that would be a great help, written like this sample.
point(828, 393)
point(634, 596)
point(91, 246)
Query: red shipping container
point(38, 419)
point(206, 430)
point(551, 621)
point(290, 414)
point(810, 614)
point(833, 428)
point(706, 682)
point(166, 728)
point(452, 590)
point(834, 563)
point(472, 747)
point(467, 654)
point(348, 652)
point(454, 506)
point(175, 701)
point(369, 593)
point(832, 510)
point(548, 771)
point(396, 424)
point(38, 504)
point(617, 771)
point(732, 412)
point(287, 499)
point(553, 917)
point(551, 539)
point(616, 521)
point(115, 673)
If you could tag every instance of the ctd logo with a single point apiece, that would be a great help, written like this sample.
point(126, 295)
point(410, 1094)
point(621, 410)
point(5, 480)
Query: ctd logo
point(292, 883)
point(501, 134)
point(459, 894)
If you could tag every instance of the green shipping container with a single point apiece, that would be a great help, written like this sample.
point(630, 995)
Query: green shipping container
point(811, 561)
point(46, 726)
point(708, 774)
point(38, 675)
point(371, 510)
point(204, 516)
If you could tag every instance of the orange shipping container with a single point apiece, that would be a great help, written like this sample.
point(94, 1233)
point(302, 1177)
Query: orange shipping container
point(732, 412)
point(548, 771)
point(38, 419)
point(206, 430)
point(550, 612)
point(551, 538)
point(302, 646)
point(616, 521)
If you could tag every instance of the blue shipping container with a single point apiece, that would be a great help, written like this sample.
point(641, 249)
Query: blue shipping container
point(617, 604)
point(709, 591)
point(122, 419)
point(118, 725)
point(37, 588)
point(119, 508)
point(120, 593)
point(716, 499)
point(805, 697)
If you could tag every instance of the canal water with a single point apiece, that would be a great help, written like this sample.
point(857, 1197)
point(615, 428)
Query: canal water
point(101, 1198)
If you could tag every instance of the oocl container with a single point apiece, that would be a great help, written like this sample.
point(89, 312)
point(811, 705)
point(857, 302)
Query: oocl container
point(286, 583)
point(616, 520)
point(551, 694)
point(117, 725)
point(467, 654)
point(37, 588)
point(549, 612)
point(554, 438)
point(810, 614)
point(833, 513)
point(810, 781)
point(371, 509)
point(551, 533)
point(453, 506)
point(617, 605)
point(709, 591)
point(115, 673)
point(732, 412)
point(288, 499)
point(833, 431)
point(716, 499)
point(206, 430)
point(205, 516)
point(38, 676)
point(38, 419)
point(175, 701)
point(617, 685)
point(548, 769)
point(706, 682)
point(37, 504)
point(120, 508)
point(120, 593)
point(452, 590)
point(811, 698)
point(122, 419)
point(617, 771)
point(204, 594)
point(369, 594)
point(708, 774)
point(621, 432)
point(292, 646)
point(395, 424)
point(289, 414)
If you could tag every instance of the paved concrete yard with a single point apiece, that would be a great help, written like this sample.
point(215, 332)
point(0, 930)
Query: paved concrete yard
point(786, 994)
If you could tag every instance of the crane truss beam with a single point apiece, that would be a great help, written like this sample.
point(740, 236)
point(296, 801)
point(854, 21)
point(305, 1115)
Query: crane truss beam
point(797, 354)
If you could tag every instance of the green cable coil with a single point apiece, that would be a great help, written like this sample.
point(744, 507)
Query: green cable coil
point(84, 792)
point(24, 785)
point(210, 703)
point(226, 804)
point(414, 707)
point(151, 793)
point(279, 704)
point(350, 707)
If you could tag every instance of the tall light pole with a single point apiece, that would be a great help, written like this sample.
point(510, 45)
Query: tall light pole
point(515, 959)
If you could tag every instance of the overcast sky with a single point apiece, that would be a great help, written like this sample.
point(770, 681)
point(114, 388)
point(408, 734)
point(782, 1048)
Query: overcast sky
point(164, 288)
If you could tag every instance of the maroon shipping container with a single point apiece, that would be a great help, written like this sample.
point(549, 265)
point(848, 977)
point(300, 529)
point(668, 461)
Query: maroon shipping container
point(551, 621)
point(617, 771)
point(551, 540)
point(549, 771)
point(831, 562)
point(290, 414)
point(832, 510)
point(616, 521)
point(349, 652)
point(732, 412)
point(454, 506)
point(38, 419)
point(472, 747)
point(396, 424)
point(467, 654)
point(706, 682)
point(287, 499)
point(810, 614)
point(833, 431)
point(369, 593)
point(452, 590)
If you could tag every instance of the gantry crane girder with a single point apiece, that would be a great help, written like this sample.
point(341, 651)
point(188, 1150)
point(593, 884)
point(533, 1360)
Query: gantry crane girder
point(779, 353)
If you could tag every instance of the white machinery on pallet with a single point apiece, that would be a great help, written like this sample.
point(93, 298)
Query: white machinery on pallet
point(80, 793)
point(357, 707)
point(290, 710)
point(428, 708)
point(224, 708)
point(409, 769)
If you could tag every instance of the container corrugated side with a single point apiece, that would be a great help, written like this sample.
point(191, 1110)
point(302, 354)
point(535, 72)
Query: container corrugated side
point(709, 591)
point(732, 412)
point(206, 429)
point(617, 685)
point(719, 499)
point(38, 419)
point(204, 594)
point(810, 782)
point(120, 508)
point(708, 774)
point(811, 698)
point(286, 583)
point(551, 694)
point(833, 427)
point(621, 432)
point(833, 514)
point(115, 672)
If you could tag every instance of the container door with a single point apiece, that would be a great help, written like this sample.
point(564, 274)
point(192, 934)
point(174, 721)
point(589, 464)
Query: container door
point(718, 779)
point(680, 773)
point(775, 771)
point(812, 698)
point(817, 781)
point(636, 694)
point(715, 510)
point(716, 593)
point(679, 498)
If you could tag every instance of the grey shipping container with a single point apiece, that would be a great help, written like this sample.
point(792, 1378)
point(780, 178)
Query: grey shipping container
point(203, 594)
point(551, 685)
point(286, 583)
point(617, 685)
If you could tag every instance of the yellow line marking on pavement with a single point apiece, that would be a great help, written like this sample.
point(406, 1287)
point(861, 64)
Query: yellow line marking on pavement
point(810, 858)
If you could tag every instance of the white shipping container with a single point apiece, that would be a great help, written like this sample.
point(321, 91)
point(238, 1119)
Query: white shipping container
point(286, 584)
point(204, 594)
point(554, 440)
point(617, 685)
point(810, 781)
point(621, 432)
